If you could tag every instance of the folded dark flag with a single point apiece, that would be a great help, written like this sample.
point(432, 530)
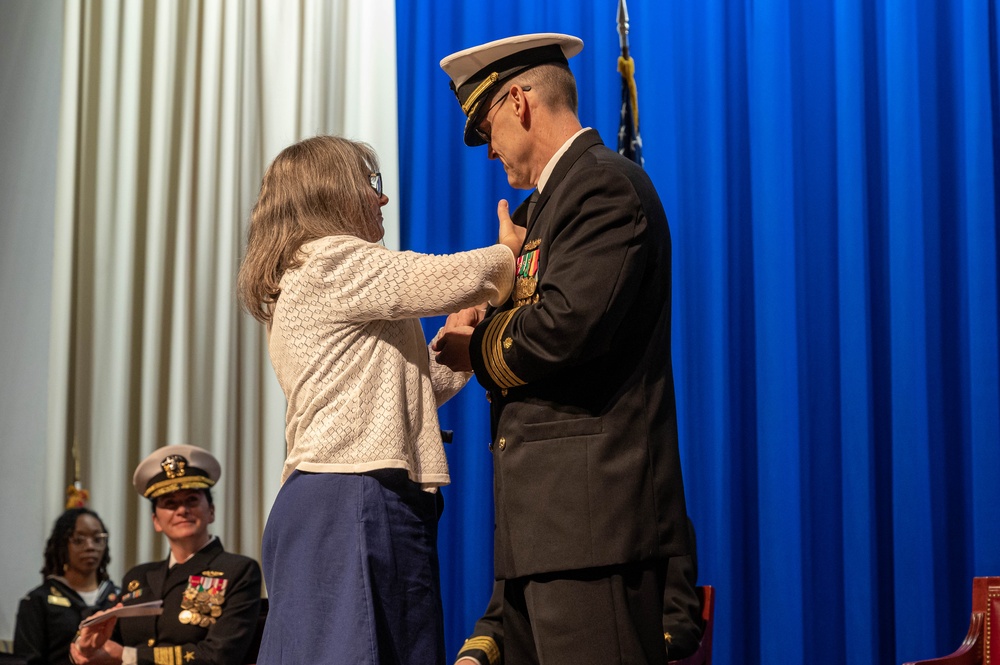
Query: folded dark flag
point(629, 141)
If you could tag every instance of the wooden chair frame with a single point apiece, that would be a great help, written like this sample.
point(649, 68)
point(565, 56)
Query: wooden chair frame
point(977, 647)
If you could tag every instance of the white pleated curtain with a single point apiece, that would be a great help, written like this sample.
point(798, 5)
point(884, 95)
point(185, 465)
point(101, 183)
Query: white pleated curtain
point(171, 110)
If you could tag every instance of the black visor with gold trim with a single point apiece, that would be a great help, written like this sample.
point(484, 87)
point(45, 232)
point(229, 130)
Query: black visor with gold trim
point(476, 72)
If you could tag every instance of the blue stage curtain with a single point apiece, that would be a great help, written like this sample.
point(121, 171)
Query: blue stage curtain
point(830, 171)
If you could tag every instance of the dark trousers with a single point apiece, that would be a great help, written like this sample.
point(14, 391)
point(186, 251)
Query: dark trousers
point(597, 616)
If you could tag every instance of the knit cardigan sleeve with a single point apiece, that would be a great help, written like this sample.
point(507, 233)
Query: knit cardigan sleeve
point(356, 280)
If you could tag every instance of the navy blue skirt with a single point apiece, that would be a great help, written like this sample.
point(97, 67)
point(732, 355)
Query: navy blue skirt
point(351, 566)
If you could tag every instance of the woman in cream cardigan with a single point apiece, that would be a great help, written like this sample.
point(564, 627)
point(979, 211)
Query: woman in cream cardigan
point(349, 550)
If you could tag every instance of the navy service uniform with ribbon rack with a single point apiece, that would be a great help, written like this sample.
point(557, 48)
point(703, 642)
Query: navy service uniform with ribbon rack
point(578, 369)
point(210, 608)
point(587, 475)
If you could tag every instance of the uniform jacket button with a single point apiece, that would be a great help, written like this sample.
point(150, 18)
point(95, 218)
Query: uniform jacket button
point(502, 443)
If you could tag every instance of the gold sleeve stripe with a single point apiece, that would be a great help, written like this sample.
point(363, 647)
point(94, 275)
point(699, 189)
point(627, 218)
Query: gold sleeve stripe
point(491, 344)
point(485, 644)
point(167, 655)
point(496, 364)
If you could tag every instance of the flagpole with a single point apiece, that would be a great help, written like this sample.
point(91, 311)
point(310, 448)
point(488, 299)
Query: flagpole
point(629, 143)
point(623, 27)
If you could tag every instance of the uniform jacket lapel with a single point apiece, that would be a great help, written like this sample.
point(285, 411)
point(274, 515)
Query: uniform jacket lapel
point(582, 144)
point(180, 573)
point(156, 576)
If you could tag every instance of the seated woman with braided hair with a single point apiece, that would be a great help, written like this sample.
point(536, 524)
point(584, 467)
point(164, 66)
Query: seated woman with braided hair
point(75, 585)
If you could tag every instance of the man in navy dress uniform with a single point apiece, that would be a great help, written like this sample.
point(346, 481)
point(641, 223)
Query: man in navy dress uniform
point(588, 493)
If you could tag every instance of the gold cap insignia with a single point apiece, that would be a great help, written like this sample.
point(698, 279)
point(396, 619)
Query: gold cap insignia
point(173, 466)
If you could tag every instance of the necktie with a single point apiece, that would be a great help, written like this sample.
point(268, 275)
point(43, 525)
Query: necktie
point(532, 200)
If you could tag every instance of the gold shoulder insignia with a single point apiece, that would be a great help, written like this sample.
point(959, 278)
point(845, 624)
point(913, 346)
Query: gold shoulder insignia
point(61, 601)
point(133, 585)
point(189, 655)
point(213, 573)
point(54, 591)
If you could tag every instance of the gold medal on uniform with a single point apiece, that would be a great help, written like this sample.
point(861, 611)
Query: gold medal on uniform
point(524, 288)
point(203, 599)
point(133, 591)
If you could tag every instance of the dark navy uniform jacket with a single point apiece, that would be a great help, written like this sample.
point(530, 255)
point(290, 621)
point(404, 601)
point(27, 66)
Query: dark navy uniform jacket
point(190, 631)
point(48, 618)
point(578, 368)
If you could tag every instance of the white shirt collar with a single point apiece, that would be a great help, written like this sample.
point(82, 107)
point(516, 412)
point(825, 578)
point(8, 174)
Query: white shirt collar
point(173, 561)
point(547, 171)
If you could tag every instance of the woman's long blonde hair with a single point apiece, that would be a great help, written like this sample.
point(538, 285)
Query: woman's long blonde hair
point(315, 188)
